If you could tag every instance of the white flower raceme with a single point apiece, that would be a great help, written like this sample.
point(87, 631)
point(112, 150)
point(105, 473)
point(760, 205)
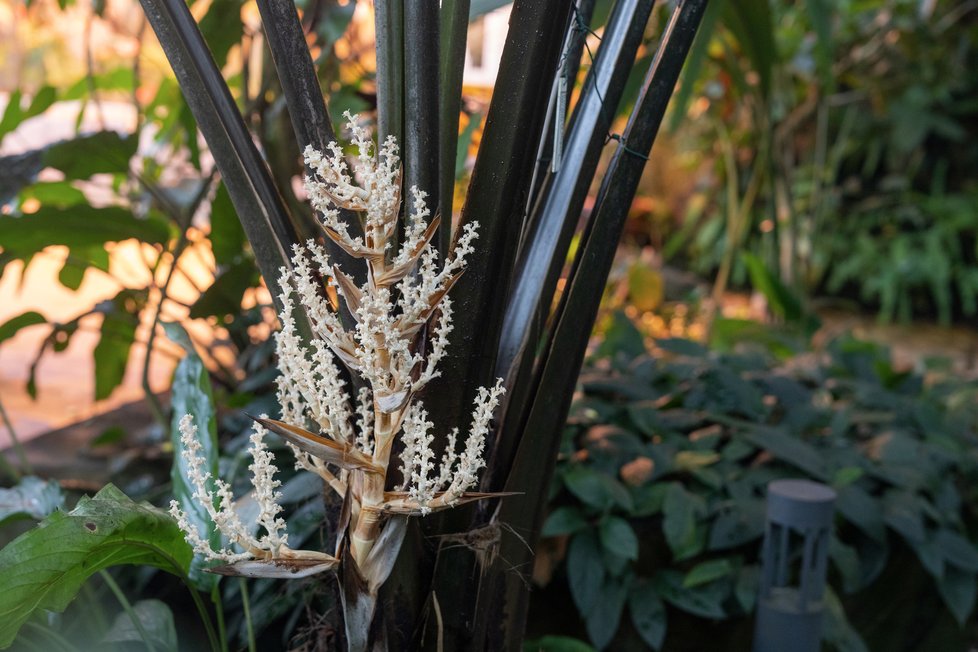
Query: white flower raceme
point(348, 436)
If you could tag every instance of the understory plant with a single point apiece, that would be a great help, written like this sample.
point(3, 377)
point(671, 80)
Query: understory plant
point(361, 443)
point(655, 528)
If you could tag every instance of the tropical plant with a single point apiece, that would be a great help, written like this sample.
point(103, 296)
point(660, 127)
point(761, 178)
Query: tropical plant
point(826, 126)
point(511, 321)
point(658, 512)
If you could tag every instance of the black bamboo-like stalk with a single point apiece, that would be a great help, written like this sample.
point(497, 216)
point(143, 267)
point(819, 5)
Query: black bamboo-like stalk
point(256, 200)
point(420, 148)
point(495, 199)
point(389, 28)
point(564, 353)
point(307, 108)
point(544, 250)
point(570, 66)
point(453, 30)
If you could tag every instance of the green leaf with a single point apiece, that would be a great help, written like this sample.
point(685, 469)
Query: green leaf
point(227, 237)
point(54, 193)
point(958, 590)
point(45, 567)
point(751, 23)
point(32, 497)
point(648, 614)
point(77, 263)
point(117, 79)
point(222, 28)
point(820, 13)
point(192, 395)
point(621, 339)
point(98, 153)
point(862, 510)
point(14, 114)
point(788, 448)
point(605, 614)
point(780, 299)
point(13, 325)
point(596, 489)
point(737, 525)
point(225, 294)
point(957, 550)
point(707, 572)
point(618, 537)
point(705, 601)
point(585, 570)
point(681, 510)
point(111, 354)
point(78, 227)
point(563, 520)
point(694, 65)
point(156, 620)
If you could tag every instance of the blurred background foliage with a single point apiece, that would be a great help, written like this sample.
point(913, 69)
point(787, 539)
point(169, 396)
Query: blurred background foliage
point(820, 154)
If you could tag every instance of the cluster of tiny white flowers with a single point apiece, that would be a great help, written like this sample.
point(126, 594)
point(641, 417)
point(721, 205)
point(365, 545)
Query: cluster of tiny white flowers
point(403, 291)
point(224, 515)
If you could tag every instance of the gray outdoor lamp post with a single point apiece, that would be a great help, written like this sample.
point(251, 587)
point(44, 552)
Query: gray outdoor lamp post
point(795, 558)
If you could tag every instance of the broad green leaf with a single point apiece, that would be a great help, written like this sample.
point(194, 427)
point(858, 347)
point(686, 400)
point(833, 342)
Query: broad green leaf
point(862, 510)
point(54, 193)
point(13, 325)
point(156, 620)
point(648, 614)
point(227, 237)
point(597, 489)
point(32, 497)
point(957, 550)
point(101, 152)
point(621, 339)
point(958, 589)
point(225, 294)
point(563, 520)
point(705, 601)
point(618, 537)
point(77, 263)
point(737, 525)
point(707, 572)
point(681, 510)
point(745, 590)
point(45, 567)
point(15, 114)
point(605, 614)
point(788, 448)
point(222, 28)
point(585, 570)
point(117, 79)
point(682, 347)
point(78, 226)
point(111, 354)
point(191, 394)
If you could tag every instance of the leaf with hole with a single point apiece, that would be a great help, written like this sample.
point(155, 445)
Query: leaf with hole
point(44, 568)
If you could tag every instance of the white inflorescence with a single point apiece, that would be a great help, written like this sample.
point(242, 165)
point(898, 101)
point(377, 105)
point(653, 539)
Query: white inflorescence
point(404, 290)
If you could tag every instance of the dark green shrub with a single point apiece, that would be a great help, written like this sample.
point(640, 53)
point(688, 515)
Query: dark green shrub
point(659, 494)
